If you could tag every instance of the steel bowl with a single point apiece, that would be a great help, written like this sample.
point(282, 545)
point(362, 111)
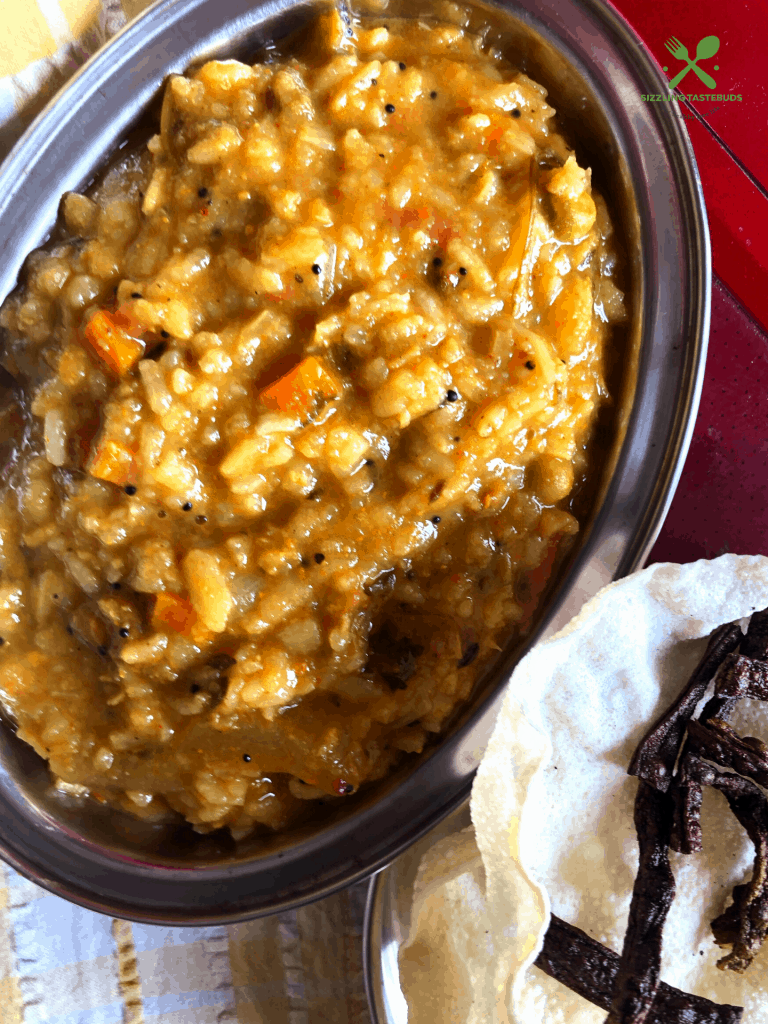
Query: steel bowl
point(387, 922)
point(597, 72)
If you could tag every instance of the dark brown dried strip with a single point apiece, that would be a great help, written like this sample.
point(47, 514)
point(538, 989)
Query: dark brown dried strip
point(755, 642)
point(637, 979)
point(580, 963)
point(654, 760)
point(744, 924)
point(718, 742)
point(727, 931)
point(686, 794)
point(686, 834)
point(744, 677)
point(717, 707)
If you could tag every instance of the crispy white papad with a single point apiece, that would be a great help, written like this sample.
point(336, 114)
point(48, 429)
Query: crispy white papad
point(552, 812)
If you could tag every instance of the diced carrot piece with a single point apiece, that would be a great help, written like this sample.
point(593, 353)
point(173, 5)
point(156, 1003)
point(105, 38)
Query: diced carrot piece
point(299, 389)
point(107, 334)
point(174, 612)
point(114, 462)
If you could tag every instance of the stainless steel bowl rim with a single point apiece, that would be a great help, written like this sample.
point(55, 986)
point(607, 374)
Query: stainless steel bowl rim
point(59, 152)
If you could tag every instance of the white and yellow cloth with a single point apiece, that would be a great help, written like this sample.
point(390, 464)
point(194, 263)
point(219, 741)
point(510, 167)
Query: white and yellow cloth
point(63, 965)
point(42, 43)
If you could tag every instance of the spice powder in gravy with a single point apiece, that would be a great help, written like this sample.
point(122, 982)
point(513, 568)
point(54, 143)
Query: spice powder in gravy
point(307, 392)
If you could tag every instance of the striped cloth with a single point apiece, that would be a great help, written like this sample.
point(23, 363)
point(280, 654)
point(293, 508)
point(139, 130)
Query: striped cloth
point(42, 42)
point(63, 965)
point(60, 964)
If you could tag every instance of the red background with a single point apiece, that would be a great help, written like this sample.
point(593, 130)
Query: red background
point(721, 503)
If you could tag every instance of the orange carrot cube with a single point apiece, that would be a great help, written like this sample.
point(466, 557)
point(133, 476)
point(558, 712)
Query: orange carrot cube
point(107, 334)
point(114, 462)
point(299, 390)
point(172, 611)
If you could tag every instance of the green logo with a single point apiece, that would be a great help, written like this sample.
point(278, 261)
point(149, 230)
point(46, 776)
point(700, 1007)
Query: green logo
point(707, 47)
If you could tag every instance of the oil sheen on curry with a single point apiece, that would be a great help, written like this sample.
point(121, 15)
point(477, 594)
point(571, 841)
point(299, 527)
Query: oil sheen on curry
point(306, 393)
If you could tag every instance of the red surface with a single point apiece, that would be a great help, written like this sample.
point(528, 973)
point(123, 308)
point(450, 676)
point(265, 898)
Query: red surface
point(737, 207)
point(742, 28)
point(738, 223)
point(721, 503)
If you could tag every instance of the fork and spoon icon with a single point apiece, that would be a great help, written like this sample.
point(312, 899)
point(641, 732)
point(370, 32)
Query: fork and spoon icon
point(707, 47)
